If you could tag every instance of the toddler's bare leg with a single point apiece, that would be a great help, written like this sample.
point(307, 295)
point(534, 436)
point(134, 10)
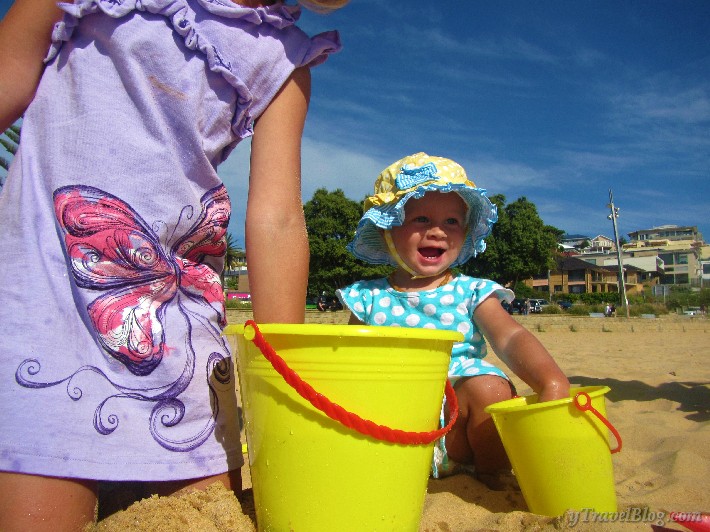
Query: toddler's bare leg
point(33, 502)
point(474, 438)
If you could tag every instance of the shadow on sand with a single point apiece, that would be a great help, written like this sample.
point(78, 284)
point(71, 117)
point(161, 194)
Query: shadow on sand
point(692, 397)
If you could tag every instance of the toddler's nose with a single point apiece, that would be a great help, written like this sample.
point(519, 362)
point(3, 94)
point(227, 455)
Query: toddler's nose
point(436, 231)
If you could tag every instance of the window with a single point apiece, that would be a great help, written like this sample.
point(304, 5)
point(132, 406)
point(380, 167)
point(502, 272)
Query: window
point(667, 258)
point(576, 275)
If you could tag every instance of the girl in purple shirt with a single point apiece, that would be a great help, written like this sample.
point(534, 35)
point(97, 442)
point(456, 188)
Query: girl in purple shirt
point(112, 237)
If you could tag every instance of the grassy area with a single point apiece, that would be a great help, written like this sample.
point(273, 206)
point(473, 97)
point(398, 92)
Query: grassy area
point(583, 309)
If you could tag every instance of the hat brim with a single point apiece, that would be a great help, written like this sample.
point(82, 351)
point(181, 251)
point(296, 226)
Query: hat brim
point(369, 244)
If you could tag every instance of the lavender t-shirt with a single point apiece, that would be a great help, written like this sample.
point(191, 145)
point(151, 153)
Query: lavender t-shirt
point(112, 226)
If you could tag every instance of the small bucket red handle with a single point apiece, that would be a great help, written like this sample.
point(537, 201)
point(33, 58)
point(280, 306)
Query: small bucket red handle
point(587, 406)
point(337, 412)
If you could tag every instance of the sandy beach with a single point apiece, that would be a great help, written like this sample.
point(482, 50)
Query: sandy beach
point(659, 377)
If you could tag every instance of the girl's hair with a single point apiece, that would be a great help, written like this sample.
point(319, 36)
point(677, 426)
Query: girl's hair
point(323, 6)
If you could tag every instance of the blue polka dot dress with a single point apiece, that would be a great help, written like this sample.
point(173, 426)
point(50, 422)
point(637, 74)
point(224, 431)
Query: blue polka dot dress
point(449, 307)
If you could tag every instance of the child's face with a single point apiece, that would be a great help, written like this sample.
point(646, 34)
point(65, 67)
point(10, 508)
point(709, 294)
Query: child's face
point(433, 232)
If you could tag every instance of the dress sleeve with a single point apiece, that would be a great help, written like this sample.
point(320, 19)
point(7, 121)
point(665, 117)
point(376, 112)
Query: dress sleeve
point(359, 299)
point(482, 289)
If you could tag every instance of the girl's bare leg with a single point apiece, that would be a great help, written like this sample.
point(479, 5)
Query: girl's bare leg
point(36, 503)
point(231, 480)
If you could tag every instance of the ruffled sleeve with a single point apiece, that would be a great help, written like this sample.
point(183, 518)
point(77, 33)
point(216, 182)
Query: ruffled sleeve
point(322, 45)
point(256, 61)
point(359, 297)
point(482, 289)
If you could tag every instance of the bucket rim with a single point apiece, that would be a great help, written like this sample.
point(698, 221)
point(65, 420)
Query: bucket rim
point(518, 404)
point(372, 331)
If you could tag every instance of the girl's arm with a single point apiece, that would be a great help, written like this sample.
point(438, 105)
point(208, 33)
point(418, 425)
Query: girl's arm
point(521, 351)
point(276, 240)
point(25, 36)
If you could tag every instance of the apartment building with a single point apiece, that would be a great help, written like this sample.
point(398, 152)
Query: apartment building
point(573, 275)
point(666, 255)
point(668, 232)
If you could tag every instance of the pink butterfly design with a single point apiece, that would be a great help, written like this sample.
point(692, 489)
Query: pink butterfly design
point(112, 249)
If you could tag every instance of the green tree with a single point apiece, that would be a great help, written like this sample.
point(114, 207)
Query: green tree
point(331, 220)
point(520, 245)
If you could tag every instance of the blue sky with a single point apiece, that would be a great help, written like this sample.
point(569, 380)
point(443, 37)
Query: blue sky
point(557, 101)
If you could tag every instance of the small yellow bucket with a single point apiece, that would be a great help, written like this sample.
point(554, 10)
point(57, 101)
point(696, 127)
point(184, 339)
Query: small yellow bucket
point(559, 450)
point(310, 472)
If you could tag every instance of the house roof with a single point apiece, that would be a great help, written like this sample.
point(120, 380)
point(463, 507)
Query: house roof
point(573, 263)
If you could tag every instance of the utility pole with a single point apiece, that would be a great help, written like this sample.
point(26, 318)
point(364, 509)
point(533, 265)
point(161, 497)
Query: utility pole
point(622, 284)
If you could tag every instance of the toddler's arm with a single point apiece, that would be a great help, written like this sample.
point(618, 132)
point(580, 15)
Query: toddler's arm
point(25, 35)
point(521, 351)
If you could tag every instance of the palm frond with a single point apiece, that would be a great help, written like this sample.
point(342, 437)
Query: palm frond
point(8, 145)
point(13, 135)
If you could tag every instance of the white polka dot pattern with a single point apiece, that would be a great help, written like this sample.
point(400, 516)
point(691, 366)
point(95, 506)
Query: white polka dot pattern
point(449, 307)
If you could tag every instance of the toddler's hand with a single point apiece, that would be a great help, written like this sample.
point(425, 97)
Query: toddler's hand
point(553, 391)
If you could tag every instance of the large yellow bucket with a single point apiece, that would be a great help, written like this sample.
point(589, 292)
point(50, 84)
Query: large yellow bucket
point(559, 450)
point(309, 471)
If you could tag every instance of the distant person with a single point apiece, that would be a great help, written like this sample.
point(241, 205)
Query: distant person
point(424, 218)
point(526, 307)
point(322, 302)
point(113, 225)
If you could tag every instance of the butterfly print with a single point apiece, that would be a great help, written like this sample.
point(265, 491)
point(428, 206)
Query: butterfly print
point(112, 251)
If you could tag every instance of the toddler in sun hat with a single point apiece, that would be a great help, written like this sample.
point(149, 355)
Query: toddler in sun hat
point(424, 218)
point(412, 177)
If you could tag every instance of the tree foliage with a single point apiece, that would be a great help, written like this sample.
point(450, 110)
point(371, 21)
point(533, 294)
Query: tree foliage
point(331, 220)
point(519, 247)
point(233, 258)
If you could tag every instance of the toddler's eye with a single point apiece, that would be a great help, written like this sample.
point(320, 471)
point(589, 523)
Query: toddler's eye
point(420, 219)
point(453, 221)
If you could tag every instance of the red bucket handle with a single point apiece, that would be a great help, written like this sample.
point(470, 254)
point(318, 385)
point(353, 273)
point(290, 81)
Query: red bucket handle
point(587, 406)
point(337, 412)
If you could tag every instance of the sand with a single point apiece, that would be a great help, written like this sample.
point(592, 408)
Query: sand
point(659, 402)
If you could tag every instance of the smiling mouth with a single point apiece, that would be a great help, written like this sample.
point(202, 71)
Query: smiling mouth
point(431, 253)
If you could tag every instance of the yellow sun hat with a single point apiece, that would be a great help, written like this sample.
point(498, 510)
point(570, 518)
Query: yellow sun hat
point(412, 177)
